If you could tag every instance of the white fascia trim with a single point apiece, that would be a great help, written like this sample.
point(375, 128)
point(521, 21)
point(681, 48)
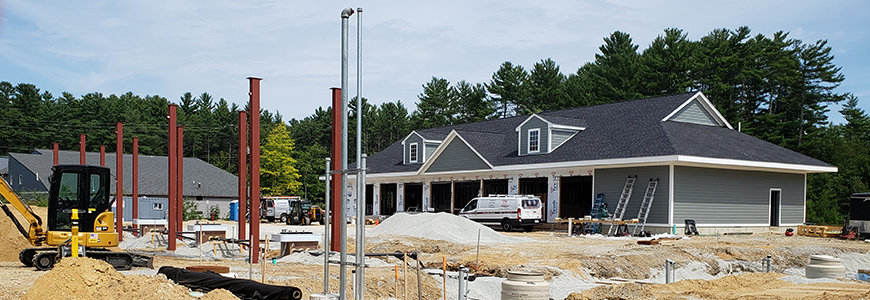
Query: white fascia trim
point(529, 118)
point(671, 170)
point(704, 103)
point(755, 164)
point(452, 135)
point(566, 127)
point(409, 135)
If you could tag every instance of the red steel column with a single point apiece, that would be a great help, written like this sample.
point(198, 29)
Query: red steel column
point(170, 215)
point(179, 204)
point(243, 172)
point(102, 155)
point(56, 149)
point(135, 178)
point(82, 160)
point(255, 166)
point(337, 110)
point(119, 174)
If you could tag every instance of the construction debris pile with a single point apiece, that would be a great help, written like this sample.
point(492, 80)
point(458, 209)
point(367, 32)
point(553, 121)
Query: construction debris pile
point(11, 240)
point(85, 278)
point(441, 226)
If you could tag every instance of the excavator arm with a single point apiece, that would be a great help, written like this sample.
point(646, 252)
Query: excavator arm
point(35, 233)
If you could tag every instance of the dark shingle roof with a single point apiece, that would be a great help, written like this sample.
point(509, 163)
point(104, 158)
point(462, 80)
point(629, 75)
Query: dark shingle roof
point(200, 177)
point(618, 130)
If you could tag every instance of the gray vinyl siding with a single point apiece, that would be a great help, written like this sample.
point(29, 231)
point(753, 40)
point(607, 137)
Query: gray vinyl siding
point(717, 196)
point(611, 181)
point(457, 156)
point(694, 113)
point(414, 139)
point(21, 179)
point(524, 136)
point(559, 136)
point(430, 148)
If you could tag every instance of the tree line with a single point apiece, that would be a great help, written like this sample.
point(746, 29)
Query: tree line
point(774, 87)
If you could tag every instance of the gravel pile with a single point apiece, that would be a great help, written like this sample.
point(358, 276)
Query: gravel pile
point(441, 226)
point(308, 259)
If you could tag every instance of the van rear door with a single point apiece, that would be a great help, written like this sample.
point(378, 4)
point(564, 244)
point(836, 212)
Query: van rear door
point(530, 208)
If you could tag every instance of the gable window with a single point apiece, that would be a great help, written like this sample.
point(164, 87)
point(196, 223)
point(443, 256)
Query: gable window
point(534, 140)
point(412, 151)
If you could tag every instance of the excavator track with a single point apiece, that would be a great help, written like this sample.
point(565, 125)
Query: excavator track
point(45, 258)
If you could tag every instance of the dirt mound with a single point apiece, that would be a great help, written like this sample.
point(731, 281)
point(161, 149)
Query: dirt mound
point(695, 288)
point(441, 226)
point(11, 239)
point(85, 278)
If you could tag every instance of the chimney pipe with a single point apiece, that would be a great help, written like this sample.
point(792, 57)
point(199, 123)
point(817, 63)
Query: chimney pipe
point(82, 160)
point(243, 172)
point(255, 166)
point(119, 174)
point(135, 178)
point(170, 215)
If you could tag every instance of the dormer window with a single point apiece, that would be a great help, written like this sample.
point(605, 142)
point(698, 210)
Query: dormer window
point(413, 152)
point(534, 140)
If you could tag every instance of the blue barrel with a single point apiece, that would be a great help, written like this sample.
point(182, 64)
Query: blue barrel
point(234, 211)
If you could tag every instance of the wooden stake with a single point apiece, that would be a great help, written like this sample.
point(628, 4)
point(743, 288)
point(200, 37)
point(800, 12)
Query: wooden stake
point(396, 289)
point(264, 259)
point(405, 280)
point(444, 268)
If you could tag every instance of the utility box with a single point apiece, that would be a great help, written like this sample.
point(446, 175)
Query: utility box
point(296, 240)
point(204, 232)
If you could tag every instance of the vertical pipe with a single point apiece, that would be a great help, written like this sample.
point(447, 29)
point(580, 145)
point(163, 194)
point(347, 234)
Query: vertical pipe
point(119, 174)
point(179, 193)
point(82, 160)
point(255, 167)
point(135, 178)
point(345, 14)
point(461, 287)
point(170, 215)
point(56, 150)
point(337, 111)
point(243, 172)
point(102, 155)
point(360, 187)
point(326, 231)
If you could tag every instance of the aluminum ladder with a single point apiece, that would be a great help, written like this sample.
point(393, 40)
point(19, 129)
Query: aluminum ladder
point(597, 213)
point(619, 211)
point(645, 206)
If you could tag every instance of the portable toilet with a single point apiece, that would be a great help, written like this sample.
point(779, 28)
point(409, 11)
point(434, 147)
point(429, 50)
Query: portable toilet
point(234, 210)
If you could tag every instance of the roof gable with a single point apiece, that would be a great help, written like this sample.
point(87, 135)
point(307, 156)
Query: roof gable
point(698, 110)
point(455, 154)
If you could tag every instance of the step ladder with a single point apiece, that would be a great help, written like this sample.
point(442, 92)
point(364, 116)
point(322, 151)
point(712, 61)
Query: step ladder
point(596, 213)
point(645, 206)
point(619, 211)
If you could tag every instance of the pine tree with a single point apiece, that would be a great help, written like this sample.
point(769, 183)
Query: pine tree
point(509, 88)
point(547, 90)
point(437, 105)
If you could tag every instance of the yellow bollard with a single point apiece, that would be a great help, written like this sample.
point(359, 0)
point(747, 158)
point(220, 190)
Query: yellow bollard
point(75, 232)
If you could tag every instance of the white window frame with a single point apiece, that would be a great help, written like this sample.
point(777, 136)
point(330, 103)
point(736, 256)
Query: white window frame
point(413, 152)
point(529, 140)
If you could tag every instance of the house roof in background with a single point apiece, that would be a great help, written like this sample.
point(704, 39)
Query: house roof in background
point(628, 129)
point(200, 177)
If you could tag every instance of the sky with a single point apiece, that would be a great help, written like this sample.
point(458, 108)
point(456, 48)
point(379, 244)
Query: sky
point(168, 48)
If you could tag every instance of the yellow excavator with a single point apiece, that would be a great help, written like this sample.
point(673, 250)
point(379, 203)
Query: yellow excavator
point(81, 187)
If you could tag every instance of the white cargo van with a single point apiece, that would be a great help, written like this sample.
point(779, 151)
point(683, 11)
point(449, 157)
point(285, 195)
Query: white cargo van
point(276, 208)
point(508, 211)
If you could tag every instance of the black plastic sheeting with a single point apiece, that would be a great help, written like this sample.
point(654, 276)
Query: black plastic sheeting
point(242, 288)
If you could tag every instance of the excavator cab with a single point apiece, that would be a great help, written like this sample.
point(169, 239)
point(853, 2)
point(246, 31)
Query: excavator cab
point(85, 188)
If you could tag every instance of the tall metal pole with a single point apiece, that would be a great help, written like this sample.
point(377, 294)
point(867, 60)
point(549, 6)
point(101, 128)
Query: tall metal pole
point(56, 149)
point(102, 155)
point(170, 215)
point(119, 174)
point(135, 191)
point(255, 168)
point(243, 172)
point(360, 186)
point(345, 14)
point(82, 160)
point(179, 194)
point(337, 110)
point(326, 230)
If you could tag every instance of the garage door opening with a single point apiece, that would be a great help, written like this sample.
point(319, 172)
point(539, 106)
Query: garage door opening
point(441, 195)
point(575, 196)
point(495, 187)
point(388, 199)
point(464, 191)
point(413, 197)
point(538, 187)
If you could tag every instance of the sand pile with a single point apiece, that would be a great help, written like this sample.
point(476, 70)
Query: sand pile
point(85, 278)
point(11, 239)
point(441, 226)
point(735, 285)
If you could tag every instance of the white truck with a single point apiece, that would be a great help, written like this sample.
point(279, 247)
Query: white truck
point(507, 211)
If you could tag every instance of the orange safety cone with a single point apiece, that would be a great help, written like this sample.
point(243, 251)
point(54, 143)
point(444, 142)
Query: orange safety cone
point(377, 221)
